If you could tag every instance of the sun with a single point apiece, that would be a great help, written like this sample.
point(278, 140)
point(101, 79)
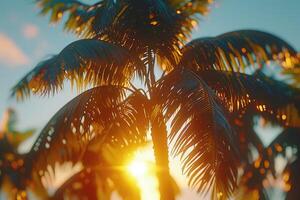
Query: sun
point(138, 168)
point(142, 168)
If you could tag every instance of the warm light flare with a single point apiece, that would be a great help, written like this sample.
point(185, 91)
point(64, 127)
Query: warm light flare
point(142, 169)
point(138, 168)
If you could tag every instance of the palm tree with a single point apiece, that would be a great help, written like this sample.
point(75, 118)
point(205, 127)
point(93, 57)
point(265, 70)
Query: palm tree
point(257, 171)
point(199, 85)
point(12, 167)
point(258, 168)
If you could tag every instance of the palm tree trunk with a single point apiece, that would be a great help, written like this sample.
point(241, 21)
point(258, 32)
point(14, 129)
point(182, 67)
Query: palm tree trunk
point(159, 138)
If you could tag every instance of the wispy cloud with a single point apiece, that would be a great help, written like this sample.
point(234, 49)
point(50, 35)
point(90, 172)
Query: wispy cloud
point(30, 31)
point(10, 54)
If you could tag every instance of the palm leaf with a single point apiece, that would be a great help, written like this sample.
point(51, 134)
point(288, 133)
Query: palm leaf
point(79, 15)
point(235, 50)
point(81, 185)
point(293, 75)
point(84, 62)
point(294, 180)
point(289, 137)
point(98, 116)
point(248, 139)
point(257, 94)
point(251, 185)
point(191, 7)
point(200, 132)
point(143, 24)
point(106, 15)
point(164, 26)
point(98, 184)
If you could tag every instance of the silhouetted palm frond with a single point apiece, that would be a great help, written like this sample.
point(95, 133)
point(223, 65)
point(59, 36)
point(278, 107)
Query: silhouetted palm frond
point(256, 93)
point(101, 115)
point(191, 7)
point(99, 182)
point(84, 62)
point(144, 24)
point(293, 75)
point(81, 185)
point(164, 26)
point(200, 132)
point(235, 50)
point(11, 162)
point(293, 179)
point(251, 184)
point(289, 137)
point(79, 15)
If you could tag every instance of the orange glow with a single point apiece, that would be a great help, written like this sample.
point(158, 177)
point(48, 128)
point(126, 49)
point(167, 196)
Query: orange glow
point(154, 23)
point(141, 167)
point(286, 177)
point(194, 23)
point(59, 15)
point(266, 164)
point(257, 163)
point(138, 168)
point(278, 148)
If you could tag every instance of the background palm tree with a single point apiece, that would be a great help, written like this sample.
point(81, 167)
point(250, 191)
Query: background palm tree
point(201, 85)
point(259, 161)
point(12, 166)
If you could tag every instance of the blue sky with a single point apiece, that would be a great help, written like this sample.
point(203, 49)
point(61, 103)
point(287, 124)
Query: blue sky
point(31, 39)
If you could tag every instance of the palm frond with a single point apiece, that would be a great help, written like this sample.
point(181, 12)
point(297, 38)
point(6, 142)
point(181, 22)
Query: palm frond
point(136, 24)
point(108, 175)
point(293, 182)
point(191, 7)
point(289, 137)
point(251, 184)
point(84, 62)
point(79, 15)
point(102, 114)
point(293, 75)
point(97, 184)
point(257, 94)
point(106, 14)
point(143, 24)
point(12, 168)
point(235, 50)
point(248, 139)
point(200, 132)
point(81, 185)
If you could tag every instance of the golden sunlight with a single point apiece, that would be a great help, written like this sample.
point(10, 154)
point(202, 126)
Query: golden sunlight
point(142, 168)
point(138, 168)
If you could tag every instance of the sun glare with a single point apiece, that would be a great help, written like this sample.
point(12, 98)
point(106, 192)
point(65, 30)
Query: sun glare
point(138, 168)
point(141, 167)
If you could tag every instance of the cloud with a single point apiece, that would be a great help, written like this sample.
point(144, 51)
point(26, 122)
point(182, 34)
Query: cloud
point(30, 31)
point(10, 54)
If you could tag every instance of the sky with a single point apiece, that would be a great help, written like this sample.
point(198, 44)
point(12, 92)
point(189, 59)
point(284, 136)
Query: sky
point(27, 38)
